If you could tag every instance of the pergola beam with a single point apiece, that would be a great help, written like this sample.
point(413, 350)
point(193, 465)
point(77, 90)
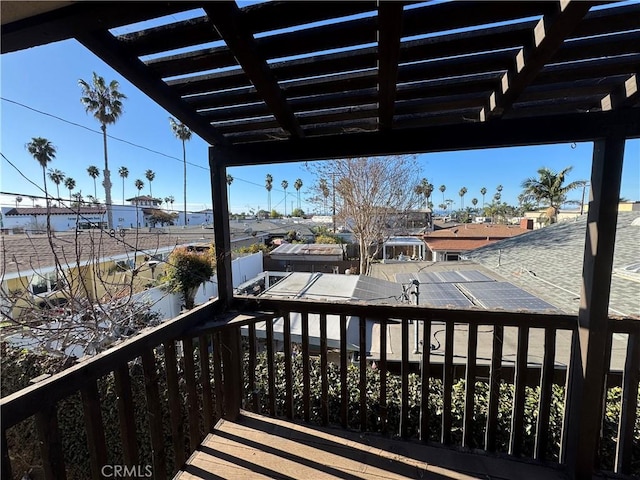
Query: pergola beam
point(389, 35)
point(548, 36)
point(497, 133)
point(225, 17)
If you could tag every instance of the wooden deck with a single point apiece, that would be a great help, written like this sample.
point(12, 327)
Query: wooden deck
point(256, 446)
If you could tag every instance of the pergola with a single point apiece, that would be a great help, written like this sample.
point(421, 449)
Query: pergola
point(296, 81)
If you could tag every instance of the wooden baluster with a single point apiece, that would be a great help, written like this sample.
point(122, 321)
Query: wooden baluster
point(94, 428)
point(363, 373)
point(447, 383)
point(288, 387)
point(175, 405)
point(154, 413)
point(126, 415)
point(255, 404)
point(404, 380)
point(383, 374)
point(217, 374)
point(546, 389)
point(205, 380)
point(424, 380)
point(324, 410)
point(344, 390)
point(568, 392)
point(470, 386)
point(630, 379)
point(5, 464)
point(233, 381)
point(306, 376)
point(195, 436)
point(271, 369)
point(519, 397)
point(50, 445)
point(494, 388)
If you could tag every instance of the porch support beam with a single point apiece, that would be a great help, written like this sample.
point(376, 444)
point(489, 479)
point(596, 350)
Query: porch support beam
point(587, 368)
point(222, 232)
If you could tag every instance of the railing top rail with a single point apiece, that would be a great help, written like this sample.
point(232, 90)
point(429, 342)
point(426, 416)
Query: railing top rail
point(624, 325)
point(475, 316)
point(22, 404)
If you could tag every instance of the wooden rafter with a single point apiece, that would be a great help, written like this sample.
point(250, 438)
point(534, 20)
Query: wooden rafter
point(225, 17)
point(548, 36)
point(105, 46)
point(389, 34)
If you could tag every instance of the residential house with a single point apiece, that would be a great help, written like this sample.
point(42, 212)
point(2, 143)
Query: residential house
point(448, 244)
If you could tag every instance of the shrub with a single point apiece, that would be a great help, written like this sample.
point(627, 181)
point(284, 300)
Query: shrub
point(187, 270)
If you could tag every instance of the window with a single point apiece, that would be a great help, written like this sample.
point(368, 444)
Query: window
point(49, 282)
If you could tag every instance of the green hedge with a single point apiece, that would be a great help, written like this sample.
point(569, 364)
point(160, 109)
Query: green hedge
point(435, 406)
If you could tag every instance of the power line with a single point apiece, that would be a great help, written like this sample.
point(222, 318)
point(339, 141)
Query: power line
point(100, 133)
point(123, 140)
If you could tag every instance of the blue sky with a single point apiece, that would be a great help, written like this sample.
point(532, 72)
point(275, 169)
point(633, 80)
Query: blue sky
point(46, 79)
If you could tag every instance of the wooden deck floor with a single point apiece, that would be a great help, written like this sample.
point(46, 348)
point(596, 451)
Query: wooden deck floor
point(262, 447)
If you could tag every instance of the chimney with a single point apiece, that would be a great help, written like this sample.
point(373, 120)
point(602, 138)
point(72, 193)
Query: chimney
point(526, 223)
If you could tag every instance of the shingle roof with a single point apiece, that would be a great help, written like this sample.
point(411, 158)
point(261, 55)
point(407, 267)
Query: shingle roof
point(548, 262)
point(23, 253)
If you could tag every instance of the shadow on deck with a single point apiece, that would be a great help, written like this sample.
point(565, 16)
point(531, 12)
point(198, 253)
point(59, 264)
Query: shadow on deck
point(257, 446)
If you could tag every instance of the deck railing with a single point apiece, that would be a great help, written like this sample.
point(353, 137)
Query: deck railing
point(197, 368)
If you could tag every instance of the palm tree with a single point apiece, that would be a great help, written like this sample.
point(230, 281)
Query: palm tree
point(70, 184)
point(424, 188)
point(56, 176)
point(474, 201)
point(94, 173)
point(442, 189)
point(229, 182)
point(324, 190)
point(549, 189)
point(167, 200)
point(285, 185)
point(105, 102)
point(43, 151)
point(139, 186)
point(171, 200)
point(183, 134)
point(124, 173)
point(298, 185)
point(462, 193)
point(268, 184)
point(483, 192)
point(150, 175)
point(18, 200)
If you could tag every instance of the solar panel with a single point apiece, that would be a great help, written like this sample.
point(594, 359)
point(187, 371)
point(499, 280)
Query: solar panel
point(504, 295)
point(377, 290)
point(452, 276)
point(442, 295)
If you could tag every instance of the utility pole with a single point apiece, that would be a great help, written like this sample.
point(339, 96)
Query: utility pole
point(416, 337)
point(333, 187)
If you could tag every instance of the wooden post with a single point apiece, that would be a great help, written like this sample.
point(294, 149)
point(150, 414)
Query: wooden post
point(222, 232)
point(587, 369)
